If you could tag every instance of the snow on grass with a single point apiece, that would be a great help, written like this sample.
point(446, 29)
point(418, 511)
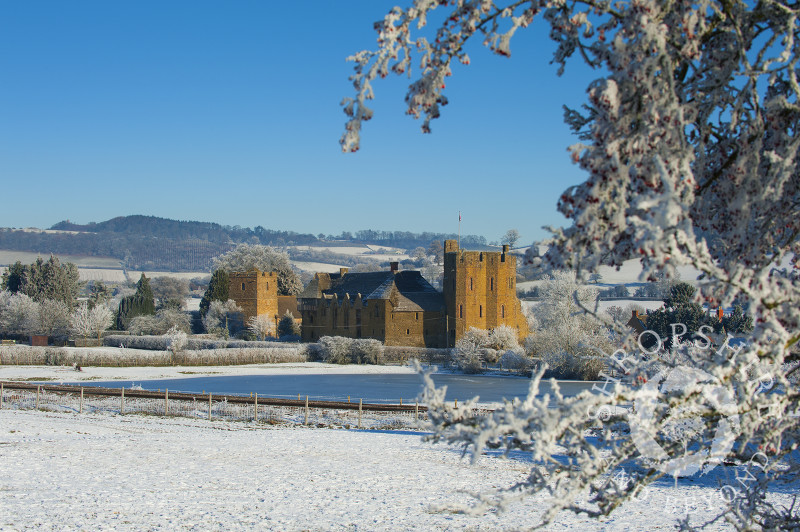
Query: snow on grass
point(69, 471)
point(68, 374)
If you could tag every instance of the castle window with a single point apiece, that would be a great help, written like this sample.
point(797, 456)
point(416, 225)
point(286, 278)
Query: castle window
point(491, 284)
point(416, 315)
point(461, 311)
point(408, 331)
point(480, 311)
point(470, 283)
point(480, 257)
point(502, 311)
point(242, 287)
point(267, 285)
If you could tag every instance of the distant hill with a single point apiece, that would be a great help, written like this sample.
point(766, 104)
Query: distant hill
point(152, 243)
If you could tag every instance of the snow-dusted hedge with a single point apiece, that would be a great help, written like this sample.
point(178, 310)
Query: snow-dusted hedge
point(426, 355)
point(341, 350)
point(160, 343)
point(66, 356)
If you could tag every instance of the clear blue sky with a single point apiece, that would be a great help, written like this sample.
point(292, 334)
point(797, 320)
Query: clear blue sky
point(229, 112)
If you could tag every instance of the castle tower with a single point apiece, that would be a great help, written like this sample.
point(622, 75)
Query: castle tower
point(480, 290)
point(256, 293)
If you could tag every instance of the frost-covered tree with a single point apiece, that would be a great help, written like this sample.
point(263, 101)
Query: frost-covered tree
point(19, 314)
point(245, 257)
point(220, 315)
point(510, 238)
point(261, 326)
point(689, 143)
point(53, 318)
point(91, 322)
point(170, 292)
point(176, 339)
point(568, 338)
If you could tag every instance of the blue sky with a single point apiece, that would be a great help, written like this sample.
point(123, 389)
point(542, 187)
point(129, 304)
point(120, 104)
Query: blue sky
point(229, 112)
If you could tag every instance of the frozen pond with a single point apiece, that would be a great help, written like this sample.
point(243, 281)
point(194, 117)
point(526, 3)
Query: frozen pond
point(372, 388)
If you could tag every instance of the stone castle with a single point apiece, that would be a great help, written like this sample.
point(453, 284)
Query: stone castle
point(397, 307)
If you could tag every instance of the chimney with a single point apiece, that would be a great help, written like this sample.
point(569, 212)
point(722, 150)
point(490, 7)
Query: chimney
point(343, 271)
point(720, 313)
point(393, 266)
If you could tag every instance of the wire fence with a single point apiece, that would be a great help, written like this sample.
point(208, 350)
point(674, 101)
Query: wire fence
point(275, 411)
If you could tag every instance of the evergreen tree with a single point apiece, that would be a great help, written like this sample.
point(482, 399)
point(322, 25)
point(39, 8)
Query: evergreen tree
point(287, 326)
point(44, 280)
point(142, 303)
point(217, 290)
point(12, 277)
point(679, 308)
point(98, 294)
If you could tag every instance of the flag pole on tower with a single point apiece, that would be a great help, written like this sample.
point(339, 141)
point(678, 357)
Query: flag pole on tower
point(459, 229)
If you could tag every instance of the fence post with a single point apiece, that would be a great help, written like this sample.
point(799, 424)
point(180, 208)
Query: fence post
point(80, 410)
point(122, 401)
point(305, 421)
point(209, 406)
point(38, 390)
point(166, 402)
point(255, 407)
point(360, 404)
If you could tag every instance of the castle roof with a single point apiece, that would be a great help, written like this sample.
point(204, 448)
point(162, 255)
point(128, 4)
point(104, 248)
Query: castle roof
point(408, 290)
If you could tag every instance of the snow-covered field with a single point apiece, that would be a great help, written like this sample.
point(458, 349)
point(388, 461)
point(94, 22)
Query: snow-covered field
point(67, 374)
point(102, 472)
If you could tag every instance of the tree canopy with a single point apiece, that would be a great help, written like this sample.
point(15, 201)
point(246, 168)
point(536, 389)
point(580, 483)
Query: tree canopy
point(689, 145)
point(247, 257)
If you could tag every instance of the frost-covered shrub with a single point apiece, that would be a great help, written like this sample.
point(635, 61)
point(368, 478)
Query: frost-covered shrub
point(366, 351)
point(515, 360)
point(336, 349)
point(468, 355)
point(341, 350)
point(144, 324)
point(66, 356)
point(153, 343)
point(503, 338)
point(477, 337)
point(176, 340)
point(313, 352)
point(159, 324)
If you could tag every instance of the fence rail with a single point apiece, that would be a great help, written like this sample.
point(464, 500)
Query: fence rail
point(79, 399)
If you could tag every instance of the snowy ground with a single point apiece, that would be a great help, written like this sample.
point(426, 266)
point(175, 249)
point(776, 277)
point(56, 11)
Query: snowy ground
point(67, 374)
point(103, 472)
